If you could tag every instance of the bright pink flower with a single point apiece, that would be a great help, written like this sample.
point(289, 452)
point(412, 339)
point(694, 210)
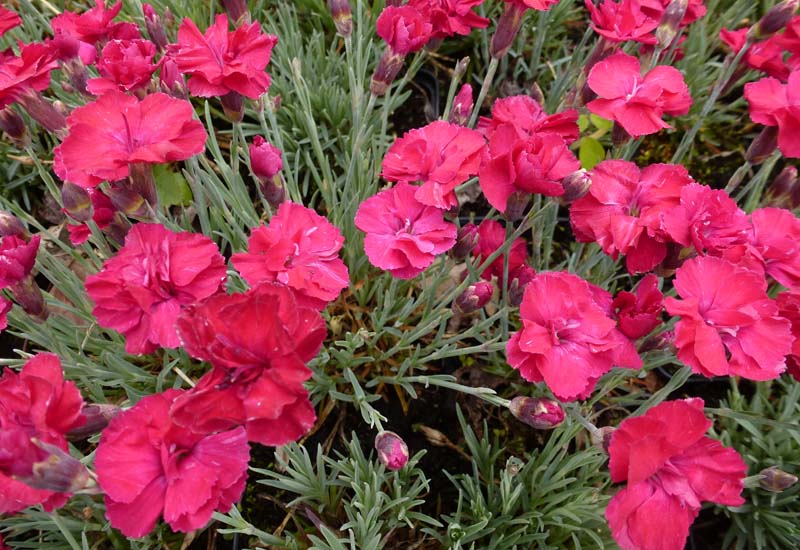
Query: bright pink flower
point(392, 450)
point(36, 403)
point(622, 21)
point(789, 308)
point(624, 208)
point(220, 62)
point(94, 25)
point(728, 326)
point(707, 219)
point(28, 71)
point(5, 307)
point(142, 290)
point(671, 468)
point(266, 160)
point(8, 20)
point(790, 41)
point(776, 104)
point(16, 259)
point(117, 130)
point(656, 8)
point(148, 466)
point(491, 236)
point(441, 155)
point(403, 236)
point(765, 55)
point(775, 245)
point(450, 17)
point(634, 101)
point(533, 165)
point(527, 117)
point(300, 249)
point(539, 5)
point(404, 29)
point(258, 343)
point(568, 339)
point(124, 65)
point(638, 314)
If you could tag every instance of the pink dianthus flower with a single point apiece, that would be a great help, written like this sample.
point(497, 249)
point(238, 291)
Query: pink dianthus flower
point(775, 104)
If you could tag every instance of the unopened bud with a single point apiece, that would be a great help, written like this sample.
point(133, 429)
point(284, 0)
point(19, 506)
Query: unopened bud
point(129, 202)
point(619, 136)
point(11, 225)
point(466, 240)
point(58, 472)
point(342, 16)
point(462, 106)
point(29, 296)
point(461, 67)
point(776, 18)
point(14, 127)
point(517, 281)
point(155, 27)
point(474, 297)
point(763, 145)
point(576, 185)
point(537, 412)
point(507, 28)
point(392, 450)
point(784, 191)
point(77, 202)
point(233, 106)
point(601, 438)
point(97, 416)
point(536, 93)
point(661, 341)
point(43, 112)
point(516, 205)
point(237, 11)
point(385, 73)
point(274, 191)
point(776, 480)
point(671, 22)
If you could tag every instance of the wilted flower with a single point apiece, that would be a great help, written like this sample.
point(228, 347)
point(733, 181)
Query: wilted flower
point(538, 412)
point(392, 450)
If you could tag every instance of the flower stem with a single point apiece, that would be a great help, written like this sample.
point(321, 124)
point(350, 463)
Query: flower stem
point(487, 83)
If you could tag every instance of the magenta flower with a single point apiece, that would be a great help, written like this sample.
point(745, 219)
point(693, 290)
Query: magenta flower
point(124, 65)
point(789, 308)
point(450, 17)
point(220, 61)
point(671, 467)
point(300, 249)
point(775, 104)
point(622, 21)
point(404, 29)
point(94, 25)
point(441, 155)
point(266, 160)
point(527, 117)
point(148, 467)
point(142, 290)
point(8, 20)
point(638, 314)
point(28, 71)
point(624, 208)
point(728, 325)
point(568, 339)
point(107, 136)
point(636, 102)
point(403, 236)
point(491, 236)
point(16, 259)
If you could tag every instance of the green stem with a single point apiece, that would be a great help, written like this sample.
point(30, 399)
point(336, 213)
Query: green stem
point(487, 83)
point(56, 519)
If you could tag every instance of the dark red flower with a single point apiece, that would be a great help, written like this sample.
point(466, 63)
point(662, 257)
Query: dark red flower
point(624, 208)
point(404, 29)
point(491, 236)
point(300, 249)
point(220, 61)
point(441, 155)
point(637, 102)
point(403, 236)
point(94, 25)
point(527, 117)
point(36, 403)
point(124, 65)
point(451, 17)
point(638, 314)
point(622, 21)
point(728, 326)
point(107, 136)
point(568, 339)
point(30, 70)
point(671, 467)
point(142, 290)
point(149, 466)
point(776, 104)
point(8, 20)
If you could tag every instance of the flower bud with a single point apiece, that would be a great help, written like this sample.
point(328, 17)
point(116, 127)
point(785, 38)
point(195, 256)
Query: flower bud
point(155, 27)
point(77, 202)
point(58, 472)
point(392, 450)
point(342, 16)
point(29, 296)
point(266, 160)
point(516, 205)
point(43, 112)
point(776, 480)
point(671, 22)
point(537, 412)
point(462, 106)
point(517, 281)
point(237, 11)
point(784, 191)
point(14, 127)
point(385, 73)
point(126, 200)
point(466, 240)
point(601, 438)
point(461, 67)
point(233, 106)
point(97, 417)
point(619, 136)
point(11, 225)
point(536, 93)
point(776, 18)
point(576, 185)
point(474, 297)
point(171, 80)
point(507, 28)
point(763, 145)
